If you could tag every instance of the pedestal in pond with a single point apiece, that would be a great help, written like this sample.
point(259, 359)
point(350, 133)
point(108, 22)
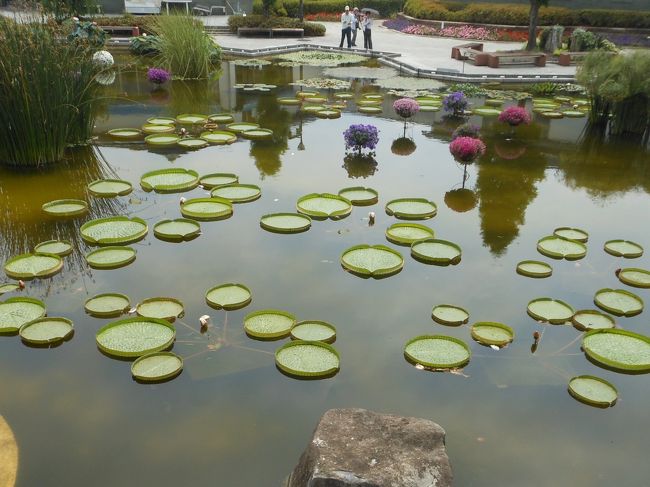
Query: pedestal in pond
point(354, 447)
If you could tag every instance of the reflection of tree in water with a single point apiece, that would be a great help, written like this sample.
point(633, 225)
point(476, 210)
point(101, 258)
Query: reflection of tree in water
point(193, 96)
point(267, 153)
point(360, 165)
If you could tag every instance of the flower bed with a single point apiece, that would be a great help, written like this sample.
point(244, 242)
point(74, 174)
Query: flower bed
point(457, 31)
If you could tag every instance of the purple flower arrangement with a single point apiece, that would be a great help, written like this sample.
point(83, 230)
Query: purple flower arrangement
point(406, 107)
point(455, 103)
point(466, 130)
point(158, 76)
point(360, 137)
point(514, 116)
point(466, 149)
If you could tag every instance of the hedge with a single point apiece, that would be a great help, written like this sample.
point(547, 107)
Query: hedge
point(510, 14)
point(312, 29)
point(386, 8)
point(141, 21)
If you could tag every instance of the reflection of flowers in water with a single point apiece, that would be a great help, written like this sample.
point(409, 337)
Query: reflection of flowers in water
point(106, 78)
point(403, 146)
point(461, 199)
point(160, 96)
point(510, 149)
point(466, 130)
point(360, 165)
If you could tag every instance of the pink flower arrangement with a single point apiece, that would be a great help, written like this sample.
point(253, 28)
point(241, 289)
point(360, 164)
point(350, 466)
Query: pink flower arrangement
point(458, 32)
point(466, 149)
point(514, 116)
point(406, 107)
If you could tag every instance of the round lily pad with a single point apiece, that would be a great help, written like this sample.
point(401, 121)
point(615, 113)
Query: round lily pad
point(344, 95)
point(407, 233)
point(67, 207)
point(157, 367)
point(619, 302)
point(368, 103)
point(163, 308)
point(177, 230)
point(114, 230)
point(170, 180)
point(486, 112)
point(593, 391)
point(447, 314)
point(360, 196)
point(109, 188)
point(110, 257)
point(571, 234)
point(228, 296)
point(125, 134)
point(411, 208)
point(561, 248)
point(289, 101)
point(161, 121)
point(162, 140)
point(221, 118)
point(330, 113)
point(285, 222)
point(207, 209)
point(219, 137)
point(552, 310)
point(191, 119)
point(552, 114)
point(437, 351)
point(7, 288)
point(542, 109)
point(269, 323)
point(574, 113)
point(306, 94)
point(237, 193)
point(192, 143)
point(619, 349)
point(15, 312)
point(257, 134)
point(534, 268)
point(590, 319)
point(309, 108)
point(322, 206)
point(315, 99)
point(156, 129)
point(371, 110)
point(56, 247)
point(314, 331)
point(210, 181)
point(133, 337)
point(436, 251)
point(307, 359)
point(634, 277)
point(239, 127)
point(46, 330)
point(623, 248)
point(492, 333)
point(107, 305)
point(372, 261)
point(30, 266)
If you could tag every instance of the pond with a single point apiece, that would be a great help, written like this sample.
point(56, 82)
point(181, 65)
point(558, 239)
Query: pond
point(232, 418)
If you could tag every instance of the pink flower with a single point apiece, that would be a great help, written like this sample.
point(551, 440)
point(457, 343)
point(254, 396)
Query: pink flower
point(406, 107)
point(466, 149)
point(514, 116)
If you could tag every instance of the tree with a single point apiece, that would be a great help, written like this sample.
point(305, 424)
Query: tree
point(533, 19)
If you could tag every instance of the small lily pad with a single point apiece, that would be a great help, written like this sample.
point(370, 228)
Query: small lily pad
point(315, 99)
point(411, 208)
point(619, 302)
point(177, 230)
point(156, 129)
point(552, 114)
point(269, 324)
point(221, 118)
point(593, 391)
point(344, 95)
point(360, 196)
point(46, 330)
point(330, 113)
point(114, 230)
point(561, 248)
point(447, 314)
point(257, 134)
point(67, 207)
point(574, 113)
point(161, 121)
point(322, 206)
point(307, 359)
point(314, 331)
point(285, 222)
point(125, 134)
point(219, 137)
point(372, 261)
point(162, 140)
point(310, 108)
point(436, 251)
point(163, 308)
point(108, 188)
point(157, 367)
point(170, 180)
point(112, 257)
point(207, 209)
point(634, 277)
point(534, 268)
point(407, 233)
point(191, 119)
point(492, 333)
point(623, 248)
point(192, 143)
point(15, 312)
point(370, 110)
point(437, 351)
point(306, 94)
point(620, 350)
point(239, 127)
point(590, 319)
point(368, 103)
point(571, 234)
point(7, 288)
point(107, 305)
point(552, 310)
point(30, 266)
point(289, 101)
point(486, 112)
point(228, 296)
point(134, 337)
point(237, 193)
point(56, 247)
point(210, 181)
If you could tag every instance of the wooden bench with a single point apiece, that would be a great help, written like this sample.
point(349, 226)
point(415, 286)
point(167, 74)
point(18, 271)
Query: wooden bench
point(496, 60)
point(270, 31)
point(472, 51)
point(131, 31)
point(568, 58)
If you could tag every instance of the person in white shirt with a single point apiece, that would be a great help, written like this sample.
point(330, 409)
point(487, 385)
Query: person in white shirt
point(366, 26)
point(346, 27)
point(356, 25)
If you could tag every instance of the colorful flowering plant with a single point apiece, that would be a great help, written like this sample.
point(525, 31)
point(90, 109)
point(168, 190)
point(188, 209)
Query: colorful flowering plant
point(358, 137)
point(158, 76)
point(455, 103)
point(514, 116)
point(466, 130)
point(466, 149)
point(406, 107)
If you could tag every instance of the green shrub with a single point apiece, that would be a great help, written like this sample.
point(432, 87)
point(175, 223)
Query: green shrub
point(143, 22)
point(144, 45)
point(292, 7)
point(544, 89)
point(312, 29)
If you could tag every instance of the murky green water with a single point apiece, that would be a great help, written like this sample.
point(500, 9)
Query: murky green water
point(231, 418)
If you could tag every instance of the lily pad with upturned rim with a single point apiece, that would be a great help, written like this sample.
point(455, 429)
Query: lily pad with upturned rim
point(114, 230)
point(158, 129)
point(344, 95)
point(289, 101)
point(314, 331)
point(285, 222)
point(407, 233)
point(161, 121)
point(411, 208)
point(619, 302)
point(552, 114)
point(56, 247)
point(8, 287)
point(229, 296)
point(305, 359)
point(214, 180)
point(191, 119)
point(371, 110)
point(634, 277)
point(162, 140)
point(620, 350)
point(107, 305)
point(237, 193)
point(207, 209)
point(269, 324)
point(447, 314)
point(437, 351)
point(324, 205)
point(108, 188)
point(571, 234)
point(368, 103)
point(162, 308)
point(534, 268)
point(111, 257)
point(134, 337)
point(623, 248)
point(492, 333)
point(308, 108)
point(486, 112)
point(590, 319)
point(329, 113)
point(552, 310)
point(125, 133)
point(46, 330)
point(30, 266)
point(239, 127)
point(218, 137)
point(436, 251)
point(157, 367)
point(221, 118)
point(177, 230)
point(372, 261)
point(192, 143)
point(170, 180)
point(574, 113)
point(67, 207)
point(561, 248)
point(15, 312)
point(593, 391)
point(360, 196)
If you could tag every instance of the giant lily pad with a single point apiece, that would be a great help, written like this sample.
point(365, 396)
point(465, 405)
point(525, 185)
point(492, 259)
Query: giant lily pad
point(311, 108)
point(324, 205)
point(534, 268)
point(435, 251)
point(161, 121)
point(237, 193)
point(491, 333)
point(221, 118)
point(46, 330)
point(447, 314)
point(368, 103)
point(407, 233)
point(192, 143)
point(157, 367)
point(589, 319)
point(218, 137)
point(239, 127)
point(7, 288)
point(162, 140)
point(369, 110)
point(623, 248)
point(210, 181)
point(329, 113)
point(114, 230)
point(486, 111)
point(411, 208)
point(170, 180)
point(314, 331)
point(619, 349)
point(108, 188)
point(307, 359)
point(437, 351)
point(134, 337)
point(158, 129)
point(360, 196)
point(15, 312)
point(571, 234)
point(67, 207)
point(30, 266)
point(634, 277)
point(228, 296)
point(619, 302)
point(372, 261)
point(163, 308)
point(593, 391)
point(177, 230)
point(108, 305)
point(125, 133)
point(110, 257)
point(285, 222)
point(191, 119)
point(269, 324)
point(574, 113)
point(561, 248)
point(552, 310)
point(56, 247)
point(289, 101)
point(207, 209)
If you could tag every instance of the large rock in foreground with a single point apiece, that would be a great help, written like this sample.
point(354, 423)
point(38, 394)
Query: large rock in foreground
point(361, 448)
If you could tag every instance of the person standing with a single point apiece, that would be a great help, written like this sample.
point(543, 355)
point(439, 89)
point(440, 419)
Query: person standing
point(346, 27)
point(356, 25)
point(366, 25)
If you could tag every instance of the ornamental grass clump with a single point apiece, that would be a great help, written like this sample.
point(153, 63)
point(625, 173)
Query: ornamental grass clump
point(466, 149)
point(515, 116)
point(406, 107)
point(455, 103)
point(359, 137)
point(158, 76)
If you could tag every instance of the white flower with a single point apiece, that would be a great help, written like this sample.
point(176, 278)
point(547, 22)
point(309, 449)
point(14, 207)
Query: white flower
point(103, 59)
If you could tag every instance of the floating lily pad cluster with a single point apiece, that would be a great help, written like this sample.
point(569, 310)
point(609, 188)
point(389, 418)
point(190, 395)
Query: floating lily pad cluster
point(560, 107)
point(26, 317)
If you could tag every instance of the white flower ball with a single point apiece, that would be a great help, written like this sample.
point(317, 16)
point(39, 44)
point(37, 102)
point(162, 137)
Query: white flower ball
point(103, 59)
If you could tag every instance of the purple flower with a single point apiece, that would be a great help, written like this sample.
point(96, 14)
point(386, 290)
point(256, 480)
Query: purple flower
point(466, 149)
point(514, 116)
point(361, 136)
point(466, 130)
point(158, 76)
point(455, 102)
point(406, 107)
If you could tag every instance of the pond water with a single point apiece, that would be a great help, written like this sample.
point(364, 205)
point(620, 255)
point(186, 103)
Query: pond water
point(231, 418)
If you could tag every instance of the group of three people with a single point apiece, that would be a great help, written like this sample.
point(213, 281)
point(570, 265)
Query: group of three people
point(353, 21)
